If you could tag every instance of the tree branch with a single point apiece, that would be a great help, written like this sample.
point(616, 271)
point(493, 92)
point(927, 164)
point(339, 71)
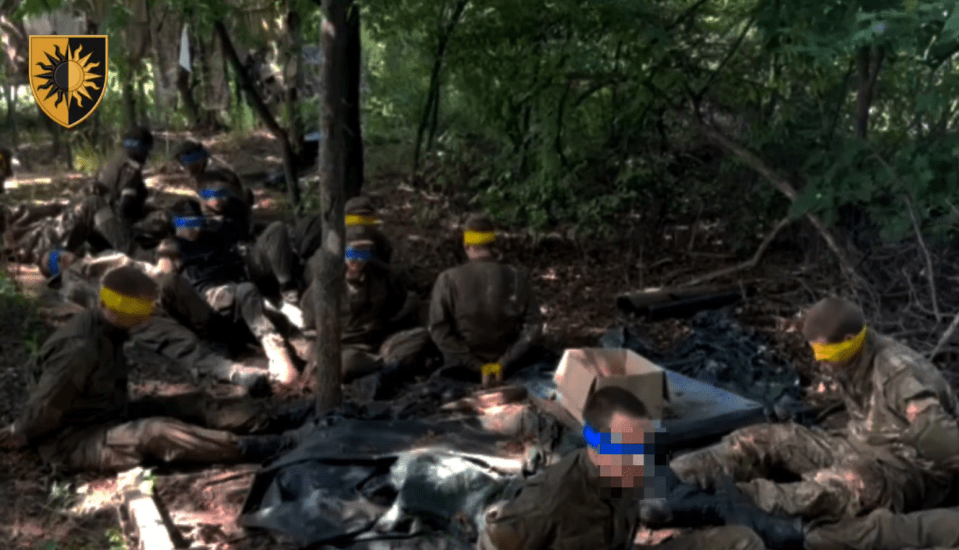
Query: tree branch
point(748, 264)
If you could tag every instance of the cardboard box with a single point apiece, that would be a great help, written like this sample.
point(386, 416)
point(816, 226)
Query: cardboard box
point(583, 371)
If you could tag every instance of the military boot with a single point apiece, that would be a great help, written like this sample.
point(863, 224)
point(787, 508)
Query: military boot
point(260, 448)
point(282, 369)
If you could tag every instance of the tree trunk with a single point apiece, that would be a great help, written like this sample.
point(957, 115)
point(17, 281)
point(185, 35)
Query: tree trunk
point(353, 182)
point(329, 278)
point(161, 83)
point(869, 64)
point(186, 94)
point(127, 74)
point(10, 91)
point(294, 85)
point(292, 186)
point(431, 109)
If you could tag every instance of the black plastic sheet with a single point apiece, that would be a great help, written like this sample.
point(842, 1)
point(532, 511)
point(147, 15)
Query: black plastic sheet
point(406, 484)
point(720, 352)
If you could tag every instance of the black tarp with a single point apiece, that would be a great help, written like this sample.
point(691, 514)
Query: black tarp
point(405, 483)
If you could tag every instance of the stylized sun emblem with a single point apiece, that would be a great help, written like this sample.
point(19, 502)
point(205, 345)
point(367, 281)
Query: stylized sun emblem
point(68, 76)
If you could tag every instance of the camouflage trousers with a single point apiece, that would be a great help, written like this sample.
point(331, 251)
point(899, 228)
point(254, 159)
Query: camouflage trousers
point(839, 477)
point(884, 530)
point(188, 428)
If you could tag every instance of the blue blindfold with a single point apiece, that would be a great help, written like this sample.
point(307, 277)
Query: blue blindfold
point(192, 157)
point(208, 194)
point(54, 263)
point(604, 445)
point(359, 255)
point(190, 222)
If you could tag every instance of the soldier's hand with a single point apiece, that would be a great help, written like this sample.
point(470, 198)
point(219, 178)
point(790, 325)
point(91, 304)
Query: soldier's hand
point(10, 440)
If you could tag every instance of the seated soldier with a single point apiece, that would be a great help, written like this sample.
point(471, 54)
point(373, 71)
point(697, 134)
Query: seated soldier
point(179, 329)
point(376, 305)
point(208, 259)
point(129, 222)
point(594, 497)
point(79, 414)
point(483, 316)
point(902, 427)
point(196, 159)
point(272, 264)
point(360, 218)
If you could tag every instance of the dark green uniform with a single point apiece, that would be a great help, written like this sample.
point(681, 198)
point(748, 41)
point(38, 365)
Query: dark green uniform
point(372, 310)
point(564, 508)
point(129, 222)
point(78, 413)
point(483, 312)
point(902, 428)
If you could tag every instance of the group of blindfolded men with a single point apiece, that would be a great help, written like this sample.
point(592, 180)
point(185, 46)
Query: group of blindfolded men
point(201, 283)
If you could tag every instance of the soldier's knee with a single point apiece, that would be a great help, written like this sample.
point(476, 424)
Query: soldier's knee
point(738, 537)
point(863, 488)
point(247, 291)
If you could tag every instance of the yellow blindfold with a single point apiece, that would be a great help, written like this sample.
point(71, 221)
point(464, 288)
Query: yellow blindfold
point(839, 352)
point(126, 305)
point(478, 238)
point(358, 219)
point(492, 369)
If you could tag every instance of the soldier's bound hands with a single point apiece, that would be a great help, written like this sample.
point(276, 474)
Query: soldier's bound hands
point(492, 375)
point(10, 440)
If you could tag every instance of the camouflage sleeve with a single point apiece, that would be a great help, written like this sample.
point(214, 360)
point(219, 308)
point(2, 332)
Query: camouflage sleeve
point(441, 326)
point(532, 325)
point(66, 366)
point(932, 430)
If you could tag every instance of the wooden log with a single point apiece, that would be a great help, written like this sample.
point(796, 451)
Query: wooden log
point(640, 301)
point(143, 512)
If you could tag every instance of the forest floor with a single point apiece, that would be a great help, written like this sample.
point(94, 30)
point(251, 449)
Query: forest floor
point(577, 283)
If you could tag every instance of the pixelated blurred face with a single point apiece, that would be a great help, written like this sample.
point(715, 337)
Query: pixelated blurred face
point(622, 469)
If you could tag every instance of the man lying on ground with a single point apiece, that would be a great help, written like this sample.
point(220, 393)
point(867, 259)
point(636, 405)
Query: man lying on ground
point(902, 429)
point(596, 497)
point(79, 414)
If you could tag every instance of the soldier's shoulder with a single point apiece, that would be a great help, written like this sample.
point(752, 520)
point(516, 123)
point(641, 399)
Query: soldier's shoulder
point(75, 333)
point(893, 357)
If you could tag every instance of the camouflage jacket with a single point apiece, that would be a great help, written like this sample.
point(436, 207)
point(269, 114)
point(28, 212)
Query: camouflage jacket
point(896, 398)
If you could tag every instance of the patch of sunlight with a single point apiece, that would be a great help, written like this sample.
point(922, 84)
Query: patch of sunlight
point(550, 275)
point(95, 496)
point(18, 182)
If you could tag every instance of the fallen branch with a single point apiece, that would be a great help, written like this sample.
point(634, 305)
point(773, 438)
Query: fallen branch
point(946, 336)
point(930, 275)
point(748, 264)
point(782, 184)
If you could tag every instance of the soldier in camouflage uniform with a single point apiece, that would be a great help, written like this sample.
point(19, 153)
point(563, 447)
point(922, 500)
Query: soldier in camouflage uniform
point(129, 222)
point(196, 159)
point(591, 499)
point(892, 454)
point(483, 316)
point(361, 219)
point(375, 309)
point(79, 414)
point(209, 260)
point(180, 328)
point(885, 530)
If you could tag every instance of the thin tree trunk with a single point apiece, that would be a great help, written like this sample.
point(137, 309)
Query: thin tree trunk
point(186, 94)
point(11, 92)
point(432, 97)
point(353, 135)
point(869, 65)
point(329, 278)
point(161, 83)
point(127, 75)
point(293, 88)
point(264, 113)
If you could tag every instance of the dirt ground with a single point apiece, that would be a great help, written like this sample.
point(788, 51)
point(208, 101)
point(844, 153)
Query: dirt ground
point(577, 284)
